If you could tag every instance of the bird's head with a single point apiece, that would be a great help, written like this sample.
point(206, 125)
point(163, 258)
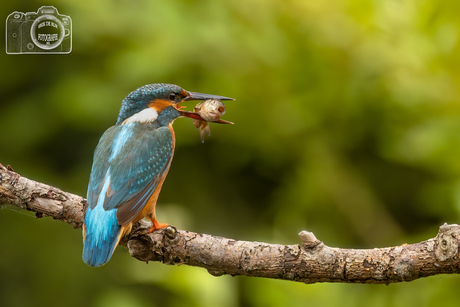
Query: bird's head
point(159, 103)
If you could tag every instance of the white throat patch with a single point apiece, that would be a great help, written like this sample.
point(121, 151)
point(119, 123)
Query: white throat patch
point(144, 116)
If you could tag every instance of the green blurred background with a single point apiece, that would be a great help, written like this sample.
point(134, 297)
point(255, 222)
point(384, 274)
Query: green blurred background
point(347, 124)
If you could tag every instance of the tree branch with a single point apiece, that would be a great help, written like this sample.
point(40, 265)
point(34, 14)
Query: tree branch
point(309, 262)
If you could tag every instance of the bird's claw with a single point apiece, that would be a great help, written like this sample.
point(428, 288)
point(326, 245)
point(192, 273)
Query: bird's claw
point(156, 225)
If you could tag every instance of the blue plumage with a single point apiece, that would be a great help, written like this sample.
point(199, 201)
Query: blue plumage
point(128, 162)
point(102, 232)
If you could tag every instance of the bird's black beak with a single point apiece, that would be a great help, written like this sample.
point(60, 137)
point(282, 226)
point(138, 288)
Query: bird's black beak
point(200, 96)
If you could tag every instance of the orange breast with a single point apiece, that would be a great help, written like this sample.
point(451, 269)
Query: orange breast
point(149, 208)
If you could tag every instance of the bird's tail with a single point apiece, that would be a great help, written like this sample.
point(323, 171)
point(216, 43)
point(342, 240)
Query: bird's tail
point(101, 234)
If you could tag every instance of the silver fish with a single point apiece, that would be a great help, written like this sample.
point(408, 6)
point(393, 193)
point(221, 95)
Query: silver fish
point(210, 110)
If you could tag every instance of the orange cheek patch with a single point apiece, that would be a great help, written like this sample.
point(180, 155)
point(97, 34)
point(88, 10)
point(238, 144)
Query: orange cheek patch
point(160, 104)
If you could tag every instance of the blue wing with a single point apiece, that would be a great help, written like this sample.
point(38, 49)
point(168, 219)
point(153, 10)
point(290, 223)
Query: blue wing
point(129, 162)
point(135, 156)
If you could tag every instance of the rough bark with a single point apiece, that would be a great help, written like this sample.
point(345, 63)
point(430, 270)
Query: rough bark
point(310, 261)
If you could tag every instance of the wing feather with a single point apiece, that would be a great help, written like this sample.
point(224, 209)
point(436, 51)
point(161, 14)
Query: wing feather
point(136, 156)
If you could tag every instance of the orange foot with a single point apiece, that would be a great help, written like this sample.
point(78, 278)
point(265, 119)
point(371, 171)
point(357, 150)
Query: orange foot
point(156, 225)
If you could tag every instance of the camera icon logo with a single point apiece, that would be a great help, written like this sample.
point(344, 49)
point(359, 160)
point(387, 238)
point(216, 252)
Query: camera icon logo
point(45, 31)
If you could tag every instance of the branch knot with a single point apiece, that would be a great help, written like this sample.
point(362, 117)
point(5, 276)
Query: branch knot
point(446, 243)
point(309, 240)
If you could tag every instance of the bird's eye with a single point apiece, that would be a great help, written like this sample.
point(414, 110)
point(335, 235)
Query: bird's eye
point(172, 96)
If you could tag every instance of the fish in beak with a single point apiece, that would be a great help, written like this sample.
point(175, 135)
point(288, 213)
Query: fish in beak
point(208, 112)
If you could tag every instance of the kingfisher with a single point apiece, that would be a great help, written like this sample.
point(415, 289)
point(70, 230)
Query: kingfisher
point(130, 164)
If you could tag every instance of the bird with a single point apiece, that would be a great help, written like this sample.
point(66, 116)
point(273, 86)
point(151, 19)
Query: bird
point(130, 164)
